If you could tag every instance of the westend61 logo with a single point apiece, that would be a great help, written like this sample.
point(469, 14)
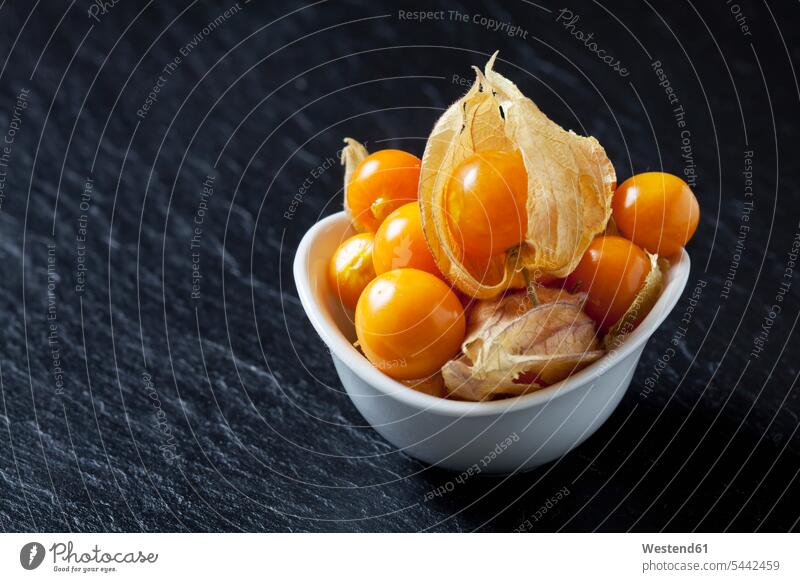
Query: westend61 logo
point(67, 559)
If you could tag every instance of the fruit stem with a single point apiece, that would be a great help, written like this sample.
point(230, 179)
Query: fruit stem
point(530, 287)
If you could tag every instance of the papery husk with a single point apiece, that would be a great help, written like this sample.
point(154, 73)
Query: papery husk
point(612, 229)
point(509, 338)
point(570, 182)
point(488, 317)
point(467, 386)
point(353, 153)
point(641, 306)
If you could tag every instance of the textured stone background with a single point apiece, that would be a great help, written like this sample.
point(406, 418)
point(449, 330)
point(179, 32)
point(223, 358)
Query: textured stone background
point(242, 424)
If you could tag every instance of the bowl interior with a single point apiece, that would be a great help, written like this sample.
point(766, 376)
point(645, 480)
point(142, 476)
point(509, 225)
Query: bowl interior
point(335, 326)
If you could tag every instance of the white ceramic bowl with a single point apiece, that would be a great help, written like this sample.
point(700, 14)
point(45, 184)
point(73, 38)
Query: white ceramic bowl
point(496, 437)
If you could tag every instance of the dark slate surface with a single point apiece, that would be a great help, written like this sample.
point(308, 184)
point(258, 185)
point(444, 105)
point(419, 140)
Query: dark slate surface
point(224, 412)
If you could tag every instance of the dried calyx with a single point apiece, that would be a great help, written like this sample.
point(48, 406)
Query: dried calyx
point(641, 306)
point(514, 346)
point(353, 153)
point(570, 185)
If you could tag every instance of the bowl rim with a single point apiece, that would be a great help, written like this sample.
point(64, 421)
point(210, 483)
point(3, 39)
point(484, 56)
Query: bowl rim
point(677, 277)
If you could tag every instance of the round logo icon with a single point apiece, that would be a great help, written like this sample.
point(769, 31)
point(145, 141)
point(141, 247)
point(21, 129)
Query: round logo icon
point(31, 555)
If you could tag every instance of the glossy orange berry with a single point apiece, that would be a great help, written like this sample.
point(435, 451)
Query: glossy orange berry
point(350, 268)
point(611, 272)
point(486, 202)
point(400, 242)
point(409, 323)
point(657, 211)
point(381, 183)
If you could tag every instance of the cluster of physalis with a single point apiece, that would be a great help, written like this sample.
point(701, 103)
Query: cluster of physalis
point(507, 258)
